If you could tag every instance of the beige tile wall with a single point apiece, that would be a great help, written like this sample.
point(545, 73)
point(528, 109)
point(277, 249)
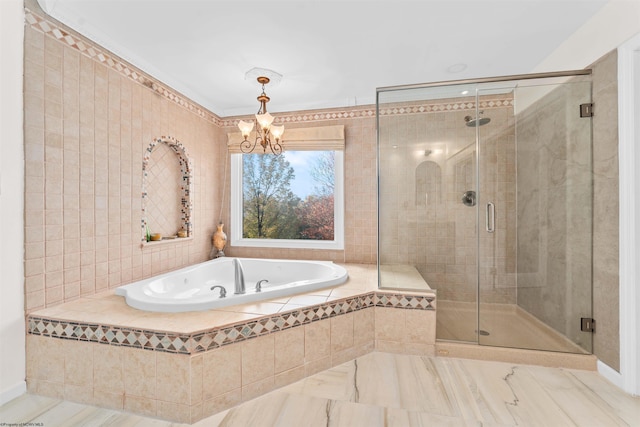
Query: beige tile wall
point(86, 126)
point(606, 280)
point(163, 201)
point(555, 211)
point(360, 195)
point(186, 388)
point(435, 231)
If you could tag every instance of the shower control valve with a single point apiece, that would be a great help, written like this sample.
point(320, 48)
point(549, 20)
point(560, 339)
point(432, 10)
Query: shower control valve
point(469, 198)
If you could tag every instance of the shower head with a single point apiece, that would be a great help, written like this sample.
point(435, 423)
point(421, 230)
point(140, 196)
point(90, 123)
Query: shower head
point(478, 121)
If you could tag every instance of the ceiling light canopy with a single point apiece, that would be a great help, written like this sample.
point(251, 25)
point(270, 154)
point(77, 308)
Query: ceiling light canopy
point(268, 135)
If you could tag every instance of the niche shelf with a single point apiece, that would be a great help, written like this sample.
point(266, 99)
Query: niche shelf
point(167, 176)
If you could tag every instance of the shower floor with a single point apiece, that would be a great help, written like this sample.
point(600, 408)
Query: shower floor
point(507, 325)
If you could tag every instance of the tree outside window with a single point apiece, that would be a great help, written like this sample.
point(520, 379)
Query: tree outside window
point(290, 196)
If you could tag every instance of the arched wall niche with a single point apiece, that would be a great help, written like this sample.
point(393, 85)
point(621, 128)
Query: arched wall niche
point(428, 183)
point(166, 189)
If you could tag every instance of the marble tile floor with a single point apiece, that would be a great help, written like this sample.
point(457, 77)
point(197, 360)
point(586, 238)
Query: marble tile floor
point(507, 325)
point(383, 389)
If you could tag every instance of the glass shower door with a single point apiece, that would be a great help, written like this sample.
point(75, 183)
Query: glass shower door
point(534, 215)
point(427, 232)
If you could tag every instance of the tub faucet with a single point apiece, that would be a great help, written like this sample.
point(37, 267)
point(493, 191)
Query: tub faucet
point(223, 291)
point(238, 276)
point(259, 284)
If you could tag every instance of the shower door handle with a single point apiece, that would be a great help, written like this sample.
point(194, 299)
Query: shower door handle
point(491, 217)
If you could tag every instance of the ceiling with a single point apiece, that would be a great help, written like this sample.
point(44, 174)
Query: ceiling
point(330, 53)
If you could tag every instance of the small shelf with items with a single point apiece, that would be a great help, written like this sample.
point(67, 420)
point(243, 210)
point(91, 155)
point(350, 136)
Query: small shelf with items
point(166, 193)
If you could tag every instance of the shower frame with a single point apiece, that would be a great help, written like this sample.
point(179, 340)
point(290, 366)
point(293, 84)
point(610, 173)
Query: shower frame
point(451, 83)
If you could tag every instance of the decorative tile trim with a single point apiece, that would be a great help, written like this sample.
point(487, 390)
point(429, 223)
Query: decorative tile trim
point(370, 111)
point(218, 337)
point(186, 170)
point(310, 116)
point(86, 47)
point(439, 107)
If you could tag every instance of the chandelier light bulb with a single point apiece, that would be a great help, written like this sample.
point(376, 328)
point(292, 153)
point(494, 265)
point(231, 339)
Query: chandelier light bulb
point(264, 120)
point(245, 128)
point(277, 131)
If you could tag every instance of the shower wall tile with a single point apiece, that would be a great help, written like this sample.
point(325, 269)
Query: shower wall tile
point(554, 190)
point(606, 281)
point(423, 179)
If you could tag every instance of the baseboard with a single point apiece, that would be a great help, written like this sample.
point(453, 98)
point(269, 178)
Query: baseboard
point(13, 392)
point(610, 374)
point(586, 362)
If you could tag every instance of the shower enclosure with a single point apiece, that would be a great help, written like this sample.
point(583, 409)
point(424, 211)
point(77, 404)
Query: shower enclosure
point(485, 195)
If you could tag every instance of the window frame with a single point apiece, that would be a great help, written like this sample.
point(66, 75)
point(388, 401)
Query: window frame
point(237, 211)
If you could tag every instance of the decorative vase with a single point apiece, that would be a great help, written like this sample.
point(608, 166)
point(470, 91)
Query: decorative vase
point(219, 240)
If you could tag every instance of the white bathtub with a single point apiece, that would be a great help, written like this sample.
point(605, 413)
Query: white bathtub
point(189, 289)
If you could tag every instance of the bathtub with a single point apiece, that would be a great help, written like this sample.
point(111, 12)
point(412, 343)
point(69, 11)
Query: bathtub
point(190, 288)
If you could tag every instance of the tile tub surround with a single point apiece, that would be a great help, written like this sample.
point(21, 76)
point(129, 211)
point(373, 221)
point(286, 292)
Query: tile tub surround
point(186, 366)
point(89, 117)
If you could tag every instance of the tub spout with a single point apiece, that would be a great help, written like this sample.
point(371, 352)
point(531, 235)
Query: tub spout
point(259, 285)
point(238, 277)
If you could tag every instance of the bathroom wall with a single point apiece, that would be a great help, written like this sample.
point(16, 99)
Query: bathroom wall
point(553, 265)
point(606, 278)
point(422, 182)
point(360, 222)
point(12, 320)
point(554, 220)
point(552, 272)
point(88, 119)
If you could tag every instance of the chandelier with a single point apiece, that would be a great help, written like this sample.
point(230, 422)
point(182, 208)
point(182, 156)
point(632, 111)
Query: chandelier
point(267, 134)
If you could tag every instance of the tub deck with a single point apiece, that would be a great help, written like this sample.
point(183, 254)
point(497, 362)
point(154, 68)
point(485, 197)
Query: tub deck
point(106, 308)
point(184, 367)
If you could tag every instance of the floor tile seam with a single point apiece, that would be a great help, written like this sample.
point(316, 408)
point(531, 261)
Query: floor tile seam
point(384, 408)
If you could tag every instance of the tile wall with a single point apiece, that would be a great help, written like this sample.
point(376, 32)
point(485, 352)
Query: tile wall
point(87, 125)
point(189, 387)
point(359, 192)
point(427, 163)
point(554, 209)
point(89, 116)
point(606, 280)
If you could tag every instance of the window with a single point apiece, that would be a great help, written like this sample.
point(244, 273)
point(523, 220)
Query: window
point(294, 200)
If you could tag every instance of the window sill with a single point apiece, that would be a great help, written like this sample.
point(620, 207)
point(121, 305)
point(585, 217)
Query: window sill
point(288, 244)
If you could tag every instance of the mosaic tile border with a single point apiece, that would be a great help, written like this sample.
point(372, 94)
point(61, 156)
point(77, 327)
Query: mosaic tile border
point(370, 111)
point(186, 169)
point(217, 337)
point(91, 50)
